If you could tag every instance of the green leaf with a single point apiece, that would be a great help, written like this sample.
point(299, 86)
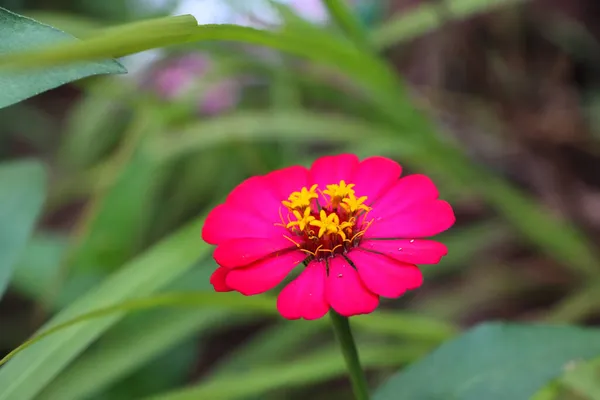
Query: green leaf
point(94, 125)
point(398, 324)
point(121, 210)
point(139, 36)
point(39, 265)
point(300, 126)
point(319, 367)
point(111, 42)
point(560, 239)
point(430, 16)
point(465, 244)
point(583, 379)
point(39, 270)
point(78, 25)
point(115, 230)
point(19, 33)
point(342, 14)
point(22, 194)
point(139, 339)
point(127, 348)
point(29, 372)
point(269, 346)
point(494, 362)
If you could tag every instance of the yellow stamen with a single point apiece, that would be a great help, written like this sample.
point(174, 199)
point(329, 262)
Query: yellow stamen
point(337, 192)
point(352, 204)
point(302, 220)
point(320, 230)
point(328, 224)
point(300, 200)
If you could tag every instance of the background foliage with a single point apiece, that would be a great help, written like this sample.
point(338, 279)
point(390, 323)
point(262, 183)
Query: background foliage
point(104, 183)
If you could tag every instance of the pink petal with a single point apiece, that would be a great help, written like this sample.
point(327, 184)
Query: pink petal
point(330, 170)
point(304, 297)
point(288, 180)
point(383, 275)
point(219, 98)
point(421, 220)
point(217, 279)
point(374, 176)
point(243, 251)
point(226, 222)
point(265, 274)
point(345, 291)
point(414, 251)
point(256, 195)
point(405, 193)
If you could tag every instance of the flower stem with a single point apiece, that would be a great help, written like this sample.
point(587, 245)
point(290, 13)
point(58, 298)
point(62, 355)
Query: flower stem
point(341, 327)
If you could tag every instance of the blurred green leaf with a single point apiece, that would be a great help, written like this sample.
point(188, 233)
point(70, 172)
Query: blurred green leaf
point(94, 126)
point(39, 264)
point(579, 305)
point(430, 16)
point(22, 194)
point(391, 323)
point(127, 348)
point(120, 217)
point(234, 301)
point(343, 16)
point(38, 273)
point(77, 25)
point(583, 378)
point(165, 372)
point(110, 42)
point(466, 243)
point(269, 346)
point(20, 33)
point(291, 126)
point(139, 339)
point(29, 372)
point(558, 238)
point(494, 362)
point(319, 367)
point(121, 207)
point(131, 38)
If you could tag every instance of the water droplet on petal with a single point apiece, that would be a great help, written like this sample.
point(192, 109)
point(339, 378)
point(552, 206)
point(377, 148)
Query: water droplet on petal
point(340, 275)
point(412, 240)
point(399, 248)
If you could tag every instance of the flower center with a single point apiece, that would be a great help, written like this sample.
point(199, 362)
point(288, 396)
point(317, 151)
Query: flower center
point(323, 230)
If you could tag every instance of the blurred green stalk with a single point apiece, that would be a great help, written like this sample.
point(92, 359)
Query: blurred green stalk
point(343, 333)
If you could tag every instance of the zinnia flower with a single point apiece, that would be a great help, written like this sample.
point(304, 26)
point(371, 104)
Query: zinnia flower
point(356, 228)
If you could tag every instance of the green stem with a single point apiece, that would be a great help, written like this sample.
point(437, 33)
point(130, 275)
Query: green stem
point(341, 327)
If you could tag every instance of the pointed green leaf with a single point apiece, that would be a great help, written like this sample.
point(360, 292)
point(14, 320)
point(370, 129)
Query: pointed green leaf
point(20, 33)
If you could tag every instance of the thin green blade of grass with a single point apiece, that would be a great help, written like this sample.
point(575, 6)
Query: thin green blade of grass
point(431, 16)
point(392, 323)
point(30, 371)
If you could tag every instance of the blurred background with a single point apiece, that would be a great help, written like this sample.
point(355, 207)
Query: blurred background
point(515, 85)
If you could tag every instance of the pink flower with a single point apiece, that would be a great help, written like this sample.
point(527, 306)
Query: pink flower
point(175, 79)
point(356, 227)
point(172, 80)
